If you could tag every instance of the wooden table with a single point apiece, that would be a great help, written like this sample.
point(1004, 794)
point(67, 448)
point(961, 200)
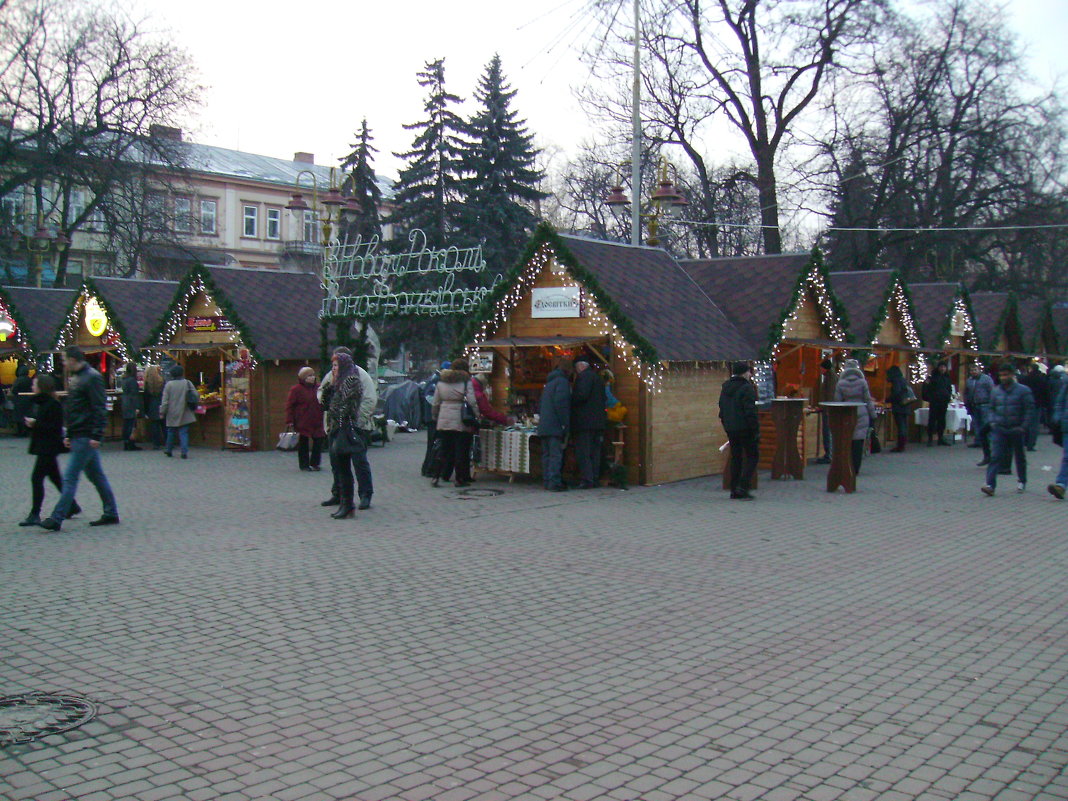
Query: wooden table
point(787, 414)
point(841, 420)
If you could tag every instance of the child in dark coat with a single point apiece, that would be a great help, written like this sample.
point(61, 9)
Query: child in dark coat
point(46, 443)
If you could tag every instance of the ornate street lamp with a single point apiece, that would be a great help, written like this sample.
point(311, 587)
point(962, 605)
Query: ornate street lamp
point(41, 243)
point(666, 201)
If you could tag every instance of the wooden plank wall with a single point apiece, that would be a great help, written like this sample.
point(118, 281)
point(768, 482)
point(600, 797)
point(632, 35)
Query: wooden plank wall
point(269, 389)
point(684, 424)
point(808, 324)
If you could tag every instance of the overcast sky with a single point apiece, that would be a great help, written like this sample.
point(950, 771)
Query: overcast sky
point(300, 75)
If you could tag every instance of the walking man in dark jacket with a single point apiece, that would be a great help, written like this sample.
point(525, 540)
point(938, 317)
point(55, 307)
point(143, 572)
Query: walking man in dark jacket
point(554, 421)
point(937, 391)
point(1012, 407)
point(588, 421)
point(737, 410)
point(86, 414)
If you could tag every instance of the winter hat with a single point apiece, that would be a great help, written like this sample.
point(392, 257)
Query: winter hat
point(739, 368)
point(851, 364)
point(445, 365)
point(827, 364)
point(1058, 368)
point(304, 372)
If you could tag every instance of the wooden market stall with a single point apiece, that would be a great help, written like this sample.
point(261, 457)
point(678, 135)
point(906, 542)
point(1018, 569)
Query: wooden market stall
point(785, 305)
point(997, 324)
point(241, 335)
point(947, 326)
point(39, 314)
point(633, 310)
point(15, 344)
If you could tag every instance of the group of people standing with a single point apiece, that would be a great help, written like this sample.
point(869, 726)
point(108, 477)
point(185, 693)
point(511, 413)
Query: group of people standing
point(336, 414)
point(573, 407)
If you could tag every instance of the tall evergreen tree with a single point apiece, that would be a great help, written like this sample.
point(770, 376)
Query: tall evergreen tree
point(427, 190)
point(851, 207)
point(499, 177)
point(360, 182)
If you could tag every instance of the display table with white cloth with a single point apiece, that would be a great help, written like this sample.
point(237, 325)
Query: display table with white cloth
point(506, 451)
point(957, 418)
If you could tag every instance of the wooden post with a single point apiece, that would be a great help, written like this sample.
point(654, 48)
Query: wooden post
point(787, 414)
point(842, 420)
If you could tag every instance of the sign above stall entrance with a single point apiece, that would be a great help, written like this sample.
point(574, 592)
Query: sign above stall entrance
point(7, 327)
point(198, 324)
point(96, 319)
point(556, 301)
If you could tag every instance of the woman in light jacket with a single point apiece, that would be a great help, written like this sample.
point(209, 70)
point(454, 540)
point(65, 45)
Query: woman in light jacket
point(853, 388)
point(175, 412)
point(454, 387)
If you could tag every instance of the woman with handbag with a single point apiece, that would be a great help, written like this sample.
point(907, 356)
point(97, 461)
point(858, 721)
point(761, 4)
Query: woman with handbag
point(455, 412)
point(348, 442)
point(175, 411)
point(304, 415)
point(852, 387)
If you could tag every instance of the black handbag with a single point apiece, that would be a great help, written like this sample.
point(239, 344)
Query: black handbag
point(192, 397)
point(347, 441)
point(468, 416)
point(876, 446)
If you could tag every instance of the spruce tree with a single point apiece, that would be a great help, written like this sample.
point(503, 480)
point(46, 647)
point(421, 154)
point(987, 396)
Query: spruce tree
point(851, 207)
point(427, 189)
point(499, 177)
point(361, 183)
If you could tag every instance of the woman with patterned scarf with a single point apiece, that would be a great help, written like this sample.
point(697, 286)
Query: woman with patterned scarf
point(348, 443)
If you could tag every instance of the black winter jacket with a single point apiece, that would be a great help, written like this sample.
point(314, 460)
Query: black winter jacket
point(46, 436)
point(938, 388)
point(588, 402)
point(555, 408)
point(86, 404)
point(737, 407)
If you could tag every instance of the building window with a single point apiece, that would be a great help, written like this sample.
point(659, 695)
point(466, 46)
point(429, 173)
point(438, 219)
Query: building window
point(183, 215)
point(77, 204)
point(251, 216)
point(274, 223)
point(208, 212)
point(96, 220)
point(155, 218)
point(75, 267)
point(13, 210)
point(311, 228)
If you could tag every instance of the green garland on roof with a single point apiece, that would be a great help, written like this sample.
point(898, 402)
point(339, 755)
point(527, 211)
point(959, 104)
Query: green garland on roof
point(22, 334)
point(198, 270)
point(545, 234)
point(775, 331)
point(114, 319)
point(884, 307)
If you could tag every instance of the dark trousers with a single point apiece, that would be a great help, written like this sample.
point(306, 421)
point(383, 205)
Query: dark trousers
point(1006, 443)
point(455, 455)
point(982, 430)
point(857, 455)
point(588, 455)
point(745, 453)
point(128, 425)
point(552, 462)
point(156, 430)
point(431, 432)
point(344, 465)
point(825, 430)
point(936, 420)
point(44, 467)
point(901, 424)
point(316, 445)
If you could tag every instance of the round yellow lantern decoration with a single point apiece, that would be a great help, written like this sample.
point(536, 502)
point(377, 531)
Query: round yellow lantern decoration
point(96, 320)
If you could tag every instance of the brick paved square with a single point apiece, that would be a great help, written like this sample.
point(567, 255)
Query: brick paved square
point(662, 643)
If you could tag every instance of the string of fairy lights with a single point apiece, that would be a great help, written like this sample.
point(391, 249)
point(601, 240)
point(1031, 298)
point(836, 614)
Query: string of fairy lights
point(68, 334)
point(650, 374)
point(898, 301)
point(960, 310)
point(20, 336)
point(177, 320)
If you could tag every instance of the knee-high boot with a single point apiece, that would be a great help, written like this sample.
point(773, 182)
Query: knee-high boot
point(346, 509)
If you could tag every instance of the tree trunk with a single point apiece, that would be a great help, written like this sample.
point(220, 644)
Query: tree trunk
point(769, 203)
point(61, 269)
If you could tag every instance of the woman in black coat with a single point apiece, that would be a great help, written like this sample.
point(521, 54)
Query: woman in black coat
point(46, 443)
point(899, 397)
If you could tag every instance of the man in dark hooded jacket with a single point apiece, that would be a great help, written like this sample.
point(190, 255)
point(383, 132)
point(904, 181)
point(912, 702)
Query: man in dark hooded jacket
point(737, 410)
point(937, 391)
point(554, 423)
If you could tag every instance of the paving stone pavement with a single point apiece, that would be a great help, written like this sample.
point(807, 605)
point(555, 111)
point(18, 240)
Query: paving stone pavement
point(905, 642)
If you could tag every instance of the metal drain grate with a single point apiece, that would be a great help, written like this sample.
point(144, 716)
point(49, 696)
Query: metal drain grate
point(31, 716)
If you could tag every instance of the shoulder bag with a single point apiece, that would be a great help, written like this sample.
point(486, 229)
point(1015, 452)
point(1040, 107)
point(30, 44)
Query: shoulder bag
point(468, 416)
point(192, 397)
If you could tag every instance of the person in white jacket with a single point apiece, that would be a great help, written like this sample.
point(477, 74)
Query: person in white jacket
point(365, 425)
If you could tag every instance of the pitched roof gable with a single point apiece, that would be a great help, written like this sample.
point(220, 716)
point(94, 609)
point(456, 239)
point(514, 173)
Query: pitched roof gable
point(990, 310)
point(758, 292)
point(44, 311)
point(866, 295)
point(933, 307)
point(1032, 315)
point(138, 305)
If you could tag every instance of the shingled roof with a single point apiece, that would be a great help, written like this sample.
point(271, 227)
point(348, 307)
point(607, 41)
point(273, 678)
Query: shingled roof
point(665, 304)
point(932, 309)
point(42, 311)
point(864, 293)
point(137, 305)
point(1032, 314)
point(990, 310)
point(278, 312)
point(756, 292)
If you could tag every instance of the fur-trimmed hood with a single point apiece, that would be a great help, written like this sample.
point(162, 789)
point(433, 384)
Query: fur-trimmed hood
point(454, 376)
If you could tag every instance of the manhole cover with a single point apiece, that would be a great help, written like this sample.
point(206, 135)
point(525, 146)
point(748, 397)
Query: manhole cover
point(29, 717)
point(471, 494)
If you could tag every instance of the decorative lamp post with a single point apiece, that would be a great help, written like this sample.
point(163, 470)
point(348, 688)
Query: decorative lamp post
point(666, 201)
point(327, 207)
point(41, 243)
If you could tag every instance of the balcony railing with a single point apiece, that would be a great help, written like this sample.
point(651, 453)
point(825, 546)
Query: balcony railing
point(298, 247)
